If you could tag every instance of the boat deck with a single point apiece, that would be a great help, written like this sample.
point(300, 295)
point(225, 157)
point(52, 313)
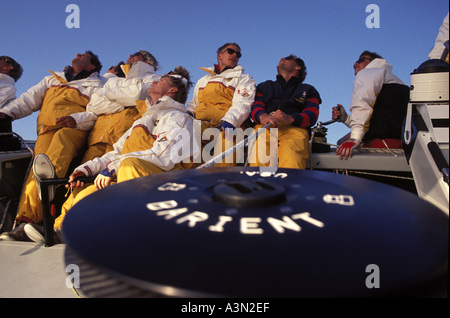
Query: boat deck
point(361, 160)
point(33, 271)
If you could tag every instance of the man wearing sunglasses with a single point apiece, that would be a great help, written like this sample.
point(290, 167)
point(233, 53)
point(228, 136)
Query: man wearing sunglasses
point(292, 107)
point(223, 97)
point(57, 95)
point(378, 106)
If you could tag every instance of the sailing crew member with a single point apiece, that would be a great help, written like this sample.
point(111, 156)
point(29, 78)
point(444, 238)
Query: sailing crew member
point(289, 105)
point(378, 104)
point(57, 95)
point(222, 98)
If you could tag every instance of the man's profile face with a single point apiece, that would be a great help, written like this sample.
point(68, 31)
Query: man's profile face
point(83, 62)
point(288, 64)
point(362, 63)
point(136, 57)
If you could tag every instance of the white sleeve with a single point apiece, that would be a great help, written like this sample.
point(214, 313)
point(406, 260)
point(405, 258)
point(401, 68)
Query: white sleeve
point(366, 87)
point(171, 146)
point(7, 93)
point(28, 102)
point(117, 94)
point(244, 95)
point(93, 167)
point(84, 120)
point(193, 104)
point(100, 104)
point(131, 90)
point(129, 94)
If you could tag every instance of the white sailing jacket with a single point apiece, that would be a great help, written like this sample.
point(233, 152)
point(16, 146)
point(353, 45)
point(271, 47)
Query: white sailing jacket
point(366, 87)
point(7, 89)
point(117, 93)
point(171, 128)
point(32, 100)
point(234, 82)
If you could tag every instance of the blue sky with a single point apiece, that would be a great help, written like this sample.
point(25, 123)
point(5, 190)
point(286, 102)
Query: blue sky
point(328, 35)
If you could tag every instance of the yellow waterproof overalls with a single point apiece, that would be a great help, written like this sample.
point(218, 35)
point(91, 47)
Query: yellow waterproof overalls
point(61, 145)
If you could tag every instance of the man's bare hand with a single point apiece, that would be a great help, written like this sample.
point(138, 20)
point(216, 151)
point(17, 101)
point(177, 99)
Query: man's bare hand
point(75, 184)
point(283, 118)
point(338, 112)
point(66, 121)
point(264, 119)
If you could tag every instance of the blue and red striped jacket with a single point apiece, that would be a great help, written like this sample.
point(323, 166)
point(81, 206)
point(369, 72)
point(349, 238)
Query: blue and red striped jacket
point(299, 100)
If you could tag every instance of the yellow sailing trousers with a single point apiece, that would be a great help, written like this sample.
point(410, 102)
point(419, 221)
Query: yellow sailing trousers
point(79, 194)
point(106, 131)
point(215, 143)
point(61, 146)
point(94, 151)
point(290, 149)
point(130, 168)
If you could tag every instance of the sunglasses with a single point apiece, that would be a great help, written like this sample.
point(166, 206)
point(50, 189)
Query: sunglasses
point(361, 59)
point(231, 52)
point(293, 57)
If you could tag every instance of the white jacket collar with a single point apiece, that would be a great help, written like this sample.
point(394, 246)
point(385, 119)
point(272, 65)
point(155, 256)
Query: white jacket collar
point(91, 80)
point(140, 68)
point(6, 79)
point(232, 72)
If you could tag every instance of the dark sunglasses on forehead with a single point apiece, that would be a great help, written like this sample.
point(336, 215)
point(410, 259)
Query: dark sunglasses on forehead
point(137, 54)
point(231, 52)
point(361, 59)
